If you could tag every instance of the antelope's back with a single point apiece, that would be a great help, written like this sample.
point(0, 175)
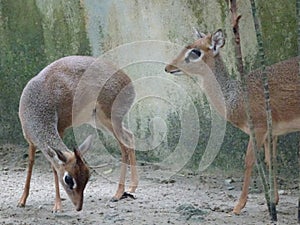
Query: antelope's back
point(284, 87)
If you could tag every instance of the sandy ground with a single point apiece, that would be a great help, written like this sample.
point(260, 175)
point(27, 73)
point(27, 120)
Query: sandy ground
point(183, 199)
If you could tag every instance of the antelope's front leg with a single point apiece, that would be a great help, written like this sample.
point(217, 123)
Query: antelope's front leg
point(57, 204)
point(249, 161)
point(25, 194)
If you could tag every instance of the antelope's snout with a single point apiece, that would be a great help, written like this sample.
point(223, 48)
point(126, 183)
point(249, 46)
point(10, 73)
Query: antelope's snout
point(79, 206)
point(77, 201)
point(172, 69)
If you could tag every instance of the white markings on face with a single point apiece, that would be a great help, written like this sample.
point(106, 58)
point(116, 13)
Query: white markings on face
point(193, 55)
point(69, 181)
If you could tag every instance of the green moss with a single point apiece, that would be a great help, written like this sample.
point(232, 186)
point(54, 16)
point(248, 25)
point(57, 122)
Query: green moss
point(224, 11)
point(197, 10)
point(113, 37)
point(279, 27)
point(21, 57)
point(27, 46)
point(209, 15)
point(63, 29)
point(33, 33)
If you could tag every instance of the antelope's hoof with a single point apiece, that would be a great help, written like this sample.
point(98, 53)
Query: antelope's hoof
point(56, 211)
point(128, 195)
point(125, 195)
point(236, 211)
point(114, 199)
point(21, 205)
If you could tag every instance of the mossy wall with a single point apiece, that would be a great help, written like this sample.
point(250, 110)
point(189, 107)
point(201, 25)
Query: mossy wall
point(34, 33)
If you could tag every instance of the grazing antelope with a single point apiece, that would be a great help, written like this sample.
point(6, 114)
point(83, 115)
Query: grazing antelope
point(47, 109)
point(203, 59)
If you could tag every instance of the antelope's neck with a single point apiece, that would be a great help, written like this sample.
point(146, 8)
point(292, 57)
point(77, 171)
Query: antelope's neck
point(222, 92)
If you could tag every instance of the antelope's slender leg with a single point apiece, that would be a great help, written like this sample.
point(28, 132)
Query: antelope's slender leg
point(31, 152)
point(134, 173)
point(249, 162)
point(268, 160)
point(126, 143)
point(121, 185)
point(275, 139)
point(132, 160)
point(128, 155)
point(57, 204)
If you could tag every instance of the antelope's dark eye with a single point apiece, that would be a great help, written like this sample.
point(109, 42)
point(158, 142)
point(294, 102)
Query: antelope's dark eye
point(69, 181)
point(195, 54)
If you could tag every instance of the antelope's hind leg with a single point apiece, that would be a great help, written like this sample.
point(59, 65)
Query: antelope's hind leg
point(268, 161)
point(132, 160)
point(126, 142)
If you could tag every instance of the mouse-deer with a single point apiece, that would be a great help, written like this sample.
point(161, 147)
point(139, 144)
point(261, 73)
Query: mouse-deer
point(202, 59)
point(47, 110)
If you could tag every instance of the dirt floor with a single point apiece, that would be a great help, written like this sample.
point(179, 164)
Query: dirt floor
point(182, 199)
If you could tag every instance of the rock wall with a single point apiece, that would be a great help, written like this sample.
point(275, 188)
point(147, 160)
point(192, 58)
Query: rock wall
point(142, 36)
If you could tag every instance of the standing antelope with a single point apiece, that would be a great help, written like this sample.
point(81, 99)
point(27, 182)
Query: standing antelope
point(47, 109)
point(202, 59)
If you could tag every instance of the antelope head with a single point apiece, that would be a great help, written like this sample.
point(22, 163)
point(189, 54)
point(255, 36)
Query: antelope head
point(194, 56)
point(72, 171)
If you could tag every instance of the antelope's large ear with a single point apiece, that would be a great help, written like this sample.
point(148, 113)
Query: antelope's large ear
point(57, 155)
point(86, 145)
point(217, 41)
point(198, 34)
